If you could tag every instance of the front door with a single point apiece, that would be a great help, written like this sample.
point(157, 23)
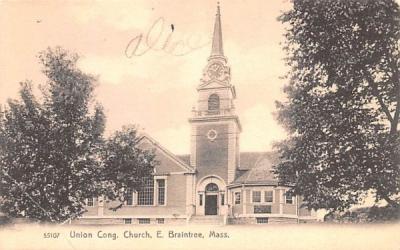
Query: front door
point(211, 206)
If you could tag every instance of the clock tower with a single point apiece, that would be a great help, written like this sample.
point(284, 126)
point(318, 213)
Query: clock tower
point(215, 127)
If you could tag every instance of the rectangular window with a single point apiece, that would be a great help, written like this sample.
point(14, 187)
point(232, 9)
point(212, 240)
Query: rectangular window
point(237, 198)
point(256, 196)
point(262, 220)
point(90, 202)
point(222, 199)
point(127, 221)
point(160, 220)
point(144, 220)
point(146, 193)
point(269, 196)
point(288, 198)
point(200, 199)
point(129, 197)
point(262, 209)
point(161, 191)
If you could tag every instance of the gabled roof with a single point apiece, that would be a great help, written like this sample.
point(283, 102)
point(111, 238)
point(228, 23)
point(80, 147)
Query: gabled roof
point(215, 84)
point(177, 160)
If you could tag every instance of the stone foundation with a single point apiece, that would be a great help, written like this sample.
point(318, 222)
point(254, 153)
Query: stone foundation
point(121, 221)
point(267, 220)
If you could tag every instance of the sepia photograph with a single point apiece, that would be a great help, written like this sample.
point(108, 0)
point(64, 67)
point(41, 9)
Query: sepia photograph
point(241, 124)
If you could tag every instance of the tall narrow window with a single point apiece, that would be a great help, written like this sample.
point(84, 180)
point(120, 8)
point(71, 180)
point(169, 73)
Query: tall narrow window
point(222, 199)
point(146, 193)
point(200, 199)
point(213, 102)
point(129, 197)
point(269, 196)
point(237, 198)
point(161, 191)
point(256, 196)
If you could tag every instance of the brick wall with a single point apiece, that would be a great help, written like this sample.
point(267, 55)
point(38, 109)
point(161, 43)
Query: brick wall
point(212, 156)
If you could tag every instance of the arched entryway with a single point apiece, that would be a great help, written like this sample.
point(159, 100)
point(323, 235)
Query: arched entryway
point(210, 196)
point(211, 199)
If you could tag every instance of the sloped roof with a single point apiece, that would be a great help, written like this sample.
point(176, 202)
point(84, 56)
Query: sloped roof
point(177, 160)
point(249, 160)
point(255, 168)
point(184, 158)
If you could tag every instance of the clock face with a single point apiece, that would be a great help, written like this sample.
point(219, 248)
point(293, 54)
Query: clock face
point(215, 70)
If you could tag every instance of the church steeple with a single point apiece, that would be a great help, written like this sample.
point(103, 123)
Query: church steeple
point(217, 46)
point(215, 125)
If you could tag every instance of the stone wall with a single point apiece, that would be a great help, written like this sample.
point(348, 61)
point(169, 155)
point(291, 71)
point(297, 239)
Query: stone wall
point(120, 221)
point(253, 220)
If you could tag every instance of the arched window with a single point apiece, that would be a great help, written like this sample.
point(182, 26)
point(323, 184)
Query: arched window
point(211, 187)
point(213, 102)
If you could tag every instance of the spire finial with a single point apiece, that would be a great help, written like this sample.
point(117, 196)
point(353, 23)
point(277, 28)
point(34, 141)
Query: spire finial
point(217, 47)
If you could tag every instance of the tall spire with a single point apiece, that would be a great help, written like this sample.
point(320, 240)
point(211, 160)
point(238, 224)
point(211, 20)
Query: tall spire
point(217, 48)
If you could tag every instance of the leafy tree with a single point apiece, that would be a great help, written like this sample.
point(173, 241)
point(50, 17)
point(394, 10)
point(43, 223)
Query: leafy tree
point(125, 164)
point(343, 101)
point(23, 148)
point(51, 151)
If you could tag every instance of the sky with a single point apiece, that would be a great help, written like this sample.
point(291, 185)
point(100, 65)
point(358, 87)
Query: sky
point(154, 88)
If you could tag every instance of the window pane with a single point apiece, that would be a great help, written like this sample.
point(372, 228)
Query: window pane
point(269, 197)
point(146, 194)
point(211, 187)
point(256, 196)
point(144, 220)
point(127, 221)
point(129, 197)
point(213, 102)
point(161, 192)
point(90, 202)
point(262, 209)
point(289, 198)
point(237, 198)
point(262, 220)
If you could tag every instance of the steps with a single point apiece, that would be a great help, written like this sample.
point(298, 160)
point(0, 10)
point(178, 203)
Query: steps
point(207, 220)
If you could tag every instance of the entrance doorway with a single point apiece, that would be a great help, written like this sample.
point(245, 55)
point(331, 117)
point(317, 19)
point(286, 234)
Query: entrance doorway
point(211, 205)
point(211, 202)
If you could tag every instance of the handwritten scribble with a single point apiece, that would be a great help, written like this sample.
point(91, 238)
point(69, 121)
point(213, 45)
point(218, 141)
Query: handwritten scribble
point(157, 39)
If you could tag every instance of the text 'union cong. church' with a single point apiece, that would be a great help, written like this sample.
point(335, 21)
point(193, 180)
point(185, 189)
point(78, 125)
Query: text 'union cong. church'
point(216, 183)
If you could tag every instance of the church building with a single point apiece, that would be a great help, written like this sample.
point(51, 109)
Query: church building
point(216, 183)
